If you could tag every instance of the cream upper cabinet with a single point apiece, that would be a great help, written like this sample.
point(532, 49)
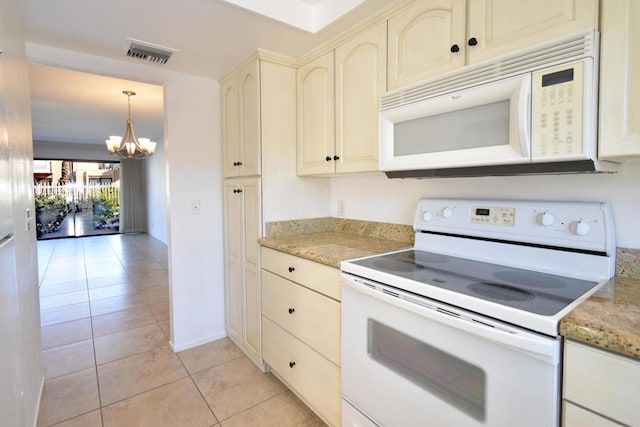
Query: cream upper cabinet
point(316, 121)
point(360, 78)
point(496, 27)
point(241, 121)
point(431, 37)
point(230, 126)
point(619, 83)
point(338, 106)
point(425, 39)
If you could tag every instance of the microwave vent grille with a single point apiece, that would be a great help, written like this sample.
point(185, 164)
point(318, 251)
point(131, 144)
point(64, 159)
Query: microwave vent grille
point(570, 48)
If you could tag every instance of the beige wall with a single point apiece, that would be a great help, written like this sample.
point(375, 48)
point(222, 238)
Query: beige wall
point(21, 374)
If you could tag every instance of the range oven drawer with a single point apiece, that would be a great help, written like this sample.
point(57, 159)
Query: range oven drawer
point(313, 377)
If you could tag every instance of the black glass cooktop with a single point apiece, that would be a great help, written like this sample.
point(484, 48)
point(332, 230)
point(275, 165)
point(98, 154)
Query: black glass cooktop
point(535, 292)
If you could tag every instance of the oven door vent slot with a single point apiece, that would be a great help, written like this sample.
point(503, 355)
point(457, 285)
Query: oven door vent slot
point(393, 294)
point(483, 323)
point(450, 313)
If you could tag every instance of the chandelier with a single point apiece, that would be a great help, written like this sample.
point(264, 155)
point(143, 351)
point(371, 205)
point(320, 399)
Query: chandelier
point(128, 146)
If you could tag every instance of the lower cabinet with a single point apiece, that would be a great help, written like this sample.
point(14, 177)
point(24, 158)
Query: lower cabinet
point(301, 329)
point(242, 216)
point(600, 388)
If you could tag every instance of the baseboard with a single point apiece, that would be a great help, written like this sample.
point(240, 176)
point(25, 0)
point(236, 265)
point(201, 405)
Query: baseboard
point(35, 421)
point(196, 343)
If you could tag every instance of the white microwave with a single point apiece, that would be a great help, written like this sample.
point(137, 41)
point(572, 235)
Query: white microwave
point(530, 112)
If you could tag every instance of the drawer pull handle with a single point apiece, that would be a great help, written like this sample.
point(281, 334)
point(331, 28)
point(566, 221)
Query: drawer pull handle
point(292, 269)
point(291, 310)
point(292, 364)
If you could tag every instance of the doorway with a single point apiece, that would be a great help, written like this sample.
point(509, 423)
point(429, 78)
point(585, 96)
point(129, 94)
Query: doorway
point(76, 199)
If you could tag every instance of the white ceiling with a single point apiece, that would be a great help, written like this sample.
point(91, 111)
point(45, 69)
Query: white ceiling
point(210, 38)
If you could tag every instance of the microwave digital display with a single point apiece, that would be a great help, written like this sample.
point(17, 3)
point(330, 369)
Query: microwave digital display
point(557, 77)
point(482, 211)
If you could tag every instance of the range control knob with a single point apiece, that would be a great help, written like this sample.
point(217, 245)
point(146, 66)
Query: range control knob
point(427, 216)
point(447, 212)
point(580, 228)
point(545, 218)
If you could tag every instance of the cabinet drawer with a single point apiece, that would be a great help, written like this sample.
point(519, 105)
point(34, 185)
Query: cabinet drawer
point(311, 317)
point(312, 376)
point(603, 382)
point(575, 416)
point(319, 277)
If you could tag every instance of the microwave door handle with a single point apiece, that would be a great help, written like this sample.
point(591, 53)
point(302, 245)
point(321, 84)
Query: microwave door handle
point(524, 116)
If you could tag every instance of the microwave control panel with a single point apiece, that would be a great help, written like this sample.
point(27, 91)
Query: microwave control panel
point(558, 111)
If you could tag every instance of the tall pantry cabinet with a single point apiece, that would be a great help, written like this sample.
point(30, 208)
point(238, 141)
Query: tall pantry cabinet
point(246, 96)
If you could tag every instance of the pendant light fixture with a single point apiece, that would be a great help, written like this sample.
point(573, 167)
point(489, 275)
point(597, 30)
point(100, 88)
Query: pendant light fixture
point(128, 146)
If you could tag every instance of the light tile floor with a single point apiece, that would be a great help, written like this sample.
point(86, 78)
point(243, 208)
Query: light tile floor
point(107, 362)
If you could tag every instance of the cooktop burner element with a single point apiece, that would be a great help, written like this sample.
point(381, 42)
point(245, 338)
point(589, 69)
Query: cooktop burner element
point(501, 292)
point(410, 261)
point(532, 280)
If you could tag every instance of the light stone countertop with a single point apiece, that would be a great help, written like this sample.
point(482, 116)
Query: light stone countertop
point(610, 319)
point(331, 240)
point(330, 247)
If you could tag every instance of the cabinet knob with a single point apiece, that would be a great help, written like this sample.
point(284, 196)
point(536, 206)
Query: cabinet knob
point(336, 158)
point(473, 41)
point(292, 269)
point(328, 158)
point(292, 364)
point(455, 48)
point(235, 163)
point(291, 310)
point(237, 190)
point(239, 163)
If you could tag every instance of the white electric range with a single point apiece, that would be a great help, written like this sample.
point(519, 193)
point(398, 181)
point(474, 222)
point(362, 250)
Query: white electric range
point(462, 329)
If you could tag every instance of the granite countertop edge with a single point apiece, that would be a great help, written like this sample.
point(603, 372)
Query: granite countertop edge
point(609, 319)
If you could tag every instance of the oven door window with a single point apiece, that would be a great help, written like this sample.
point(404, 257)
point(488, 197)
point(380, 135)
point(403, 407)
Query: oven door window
point(453, 380)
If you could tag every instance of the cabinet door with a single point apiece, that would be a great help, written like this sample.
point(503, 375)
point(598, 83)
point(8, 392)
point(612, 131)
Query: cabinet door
point(619, 83)
point(252, 232)
point(602, 382)
point(233, 253)
point(249, 112)
point(575, 416)
point(421, 38)
point(315, 81)
point(360, 78)
point(230, 126)
point(501, 26)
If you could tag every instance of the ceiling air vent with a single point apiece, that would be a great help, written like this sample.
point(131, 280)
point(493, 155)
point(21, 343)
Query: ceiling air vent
point(149, 52)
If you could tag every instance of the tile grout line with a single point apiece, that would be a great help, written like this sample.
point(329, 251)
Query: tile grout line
point(95, 357)
point(199, 391)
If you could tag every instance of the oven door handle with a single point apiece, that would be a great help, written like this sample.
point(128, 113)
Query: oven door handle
point(545, 349)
